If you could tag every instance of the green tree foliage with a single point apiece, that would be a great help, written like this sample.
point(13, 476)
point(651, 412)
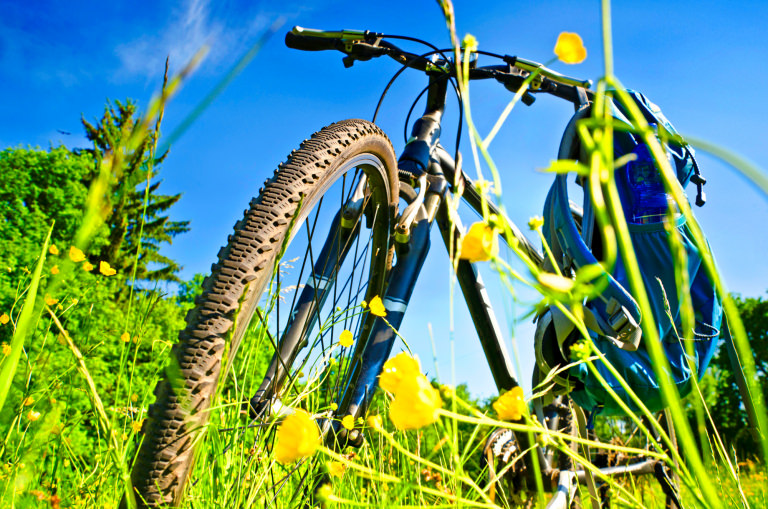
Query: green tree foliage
point(189, 290)
point(48, 423)
point(728, 410)
point(39, 187)
point(117, 134)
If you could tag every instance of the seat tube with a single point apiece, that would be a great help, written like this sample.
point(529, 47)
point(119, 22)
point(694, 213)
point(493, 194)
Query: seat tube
point(480, 309)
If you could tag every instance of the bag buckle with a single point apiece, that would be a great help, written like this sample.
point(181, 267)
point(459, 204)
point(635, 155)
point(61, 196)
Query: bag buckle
point(626, 329)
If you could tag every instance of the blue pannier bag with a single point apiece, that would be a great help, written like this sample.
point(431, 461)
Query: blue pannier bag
point(614, 318)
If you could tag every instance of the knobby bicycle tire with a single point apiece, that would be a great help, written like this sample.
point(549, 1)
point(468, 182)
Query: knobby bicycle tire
point(233, 291)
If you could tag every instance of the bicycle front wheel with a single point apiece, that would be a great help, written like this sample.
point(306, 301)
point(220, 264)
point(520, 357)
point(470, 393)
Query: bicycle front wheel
point(312, 245)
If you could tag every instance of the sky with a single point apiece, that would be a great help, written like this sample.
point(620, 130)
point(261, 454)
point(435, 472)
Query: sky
point(705, 63)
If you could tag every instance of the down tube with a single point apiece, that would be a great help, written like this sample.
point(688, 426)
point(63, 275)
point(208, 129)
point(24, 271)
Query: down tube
point(480, 309)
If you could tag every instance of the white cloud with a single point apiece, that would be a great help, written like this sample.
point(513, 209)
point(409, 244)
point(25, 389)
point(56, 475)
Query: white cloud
point(189, 29)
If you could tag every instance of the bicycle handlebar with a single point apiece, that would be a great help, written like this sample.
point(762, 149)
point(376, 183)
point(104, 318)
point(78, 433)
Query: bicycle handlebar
point(309, 43)
point(351, 35)
point(309, 39)
point(365, 45)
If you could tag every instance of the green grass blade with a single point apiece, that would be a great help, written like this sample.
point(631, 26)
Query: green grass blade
point(754, 174)
point(8, 369)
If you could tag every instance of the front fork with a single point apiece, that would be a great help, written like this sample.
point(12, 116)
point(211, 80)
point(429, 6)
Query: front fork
point(364, 374)
point(304, 317)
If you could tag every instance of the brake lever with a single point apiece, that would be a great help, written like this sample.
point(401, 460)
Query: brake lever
point(513, 81)
point(362, 51)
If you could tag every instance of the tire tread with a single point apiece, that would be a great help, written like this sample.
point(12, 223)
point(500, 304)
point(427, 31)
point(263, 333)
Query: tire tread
point(165, 457)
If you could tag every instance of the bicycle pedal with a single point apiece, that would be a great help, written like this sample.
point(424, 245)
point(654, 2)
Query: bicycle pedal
point(338, 436)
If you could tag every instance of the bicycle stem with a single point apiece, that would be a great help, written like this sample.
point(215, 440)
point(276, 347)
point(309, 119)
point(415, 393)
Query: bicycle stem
point(425, 135)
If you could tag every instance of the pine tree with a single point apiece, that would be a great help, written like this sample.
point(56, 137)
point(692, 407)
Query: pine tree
point(114, 136)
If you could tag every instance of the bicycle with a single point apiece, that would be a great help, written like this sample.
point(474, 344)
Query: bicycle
point(352, 166)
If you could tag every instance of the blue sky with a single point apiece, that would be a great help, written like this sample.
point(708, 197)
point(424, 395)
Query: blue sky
point(703, 62)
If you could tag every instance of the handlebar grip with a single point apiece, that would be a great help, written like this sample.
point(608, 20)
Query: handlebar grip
point(310, 43)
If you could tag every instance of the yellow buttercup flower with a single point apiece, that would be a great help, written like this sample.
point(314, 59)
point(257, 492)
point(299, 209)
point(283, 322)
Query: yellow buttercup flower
point(324, 493)
point(125, 337)
point(53, 250)
point(348, 422)
point(55, 270)
point(105, 269)
point(336, 468)
point(33, 416)
point(416, 403)
point(511, 405)
point(297, 437)
point(136, 426)
point(376, 307)
point(4, 318)
point(469, 42)
point(375, 422)
point(570, 48)
point(6, 348)
point(396, 369)
point(76, 255)
point(480, 243)
point(28, 401)
point(134, 397)
point(346, 339)
point(50, 300)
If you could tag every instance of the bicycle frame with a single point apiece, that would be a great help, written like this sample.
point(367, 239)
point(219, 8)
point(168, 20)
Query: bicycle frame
point(424, 160)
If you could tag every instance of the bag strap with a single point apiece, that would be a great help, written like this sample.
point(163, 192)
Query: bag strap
point(615, 314)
